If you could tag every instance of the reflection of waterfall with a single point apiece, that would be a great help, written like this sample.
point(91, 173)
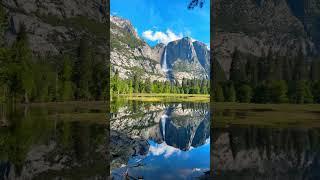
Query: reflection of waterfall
point(164, 64)
point(163, 124)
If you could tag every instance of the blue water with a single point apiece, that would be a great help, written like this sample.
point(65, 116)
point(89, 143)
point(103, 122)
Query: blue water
point(167, 162)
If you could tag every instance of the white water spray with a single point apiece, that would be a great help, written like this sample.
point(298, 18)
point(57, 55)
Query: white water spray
point(164, 64)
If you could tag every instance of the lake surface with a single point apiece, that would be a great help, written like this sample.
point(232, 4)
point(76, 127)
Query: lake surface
point(160, 140)
point(53, 141)
point(275, 148)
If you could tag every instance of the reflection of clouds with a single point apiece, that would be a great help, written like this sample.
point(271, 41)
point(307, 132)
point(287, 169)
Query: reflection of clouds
point(163, 149)
point(166, 150)
point(207, 141)
point(194, 173)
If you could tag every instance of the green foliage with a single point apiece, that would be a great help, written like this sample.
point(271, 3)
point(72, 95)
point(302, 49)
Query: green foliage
point(67, 86)
point(278, 92)
point(272, 79)
point(218, 94)
point(229, 92)
point(127, 39)
point(137, 85)
point(28, 78)
point(244, 93)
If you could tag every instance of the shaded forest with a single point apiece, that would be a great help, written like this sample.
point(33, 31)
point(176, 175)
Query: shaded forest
point(269, 79)
point(27, 77)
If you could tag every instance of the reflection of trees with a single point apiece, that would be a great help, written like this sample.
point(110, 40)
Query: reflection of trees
point(36, 126)
point(26, 128)
point(280, 150)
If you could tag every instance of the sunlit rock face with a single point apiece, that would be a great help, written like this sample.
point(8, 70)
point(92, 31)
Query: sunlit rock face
point(183, 58)
point(264, 153)
point(187, 59)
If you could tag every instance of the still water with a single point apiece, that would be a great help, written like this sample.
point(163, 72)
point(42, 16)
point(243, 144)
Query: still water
point(242, 148)
point(160, 140)
point(53, 141)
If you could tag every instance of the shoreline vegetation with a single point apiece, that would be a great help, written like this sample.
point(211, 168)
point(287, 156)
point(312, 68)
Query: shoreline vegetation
point(164, 97)
point(274, 115)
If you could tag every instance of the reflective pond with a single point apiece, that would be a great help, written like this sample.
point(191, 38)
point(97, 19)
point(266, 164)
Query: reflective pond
point(160, 140)
point(265, 144)
point(53, 141)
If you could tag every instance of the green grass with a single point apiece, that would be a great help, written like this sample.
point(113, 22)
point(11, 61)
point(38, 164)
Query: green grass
point(82, 111)
point(277, 115)
point(163, 97)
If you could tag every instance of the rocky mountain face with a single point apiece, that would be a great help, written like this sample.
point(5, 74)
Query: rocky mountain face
point(55, 26)
point(177, 60)
point(255, 26)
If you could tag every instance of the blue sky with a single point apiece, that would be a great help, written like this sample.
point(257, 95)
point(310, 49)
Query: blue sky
point(165, 20)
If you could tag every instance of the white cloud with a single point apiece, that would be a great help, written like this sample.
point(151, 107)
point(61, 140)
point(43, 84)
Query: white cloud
point(163, 149)
point(163, 37)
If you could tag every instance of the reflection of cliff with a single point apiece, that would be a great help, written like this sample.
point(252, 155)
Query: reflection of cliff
point(180, 126)
point(264, 153)
point(184, 126)
point(123, 147)
point(66, 150)
point(183, 130)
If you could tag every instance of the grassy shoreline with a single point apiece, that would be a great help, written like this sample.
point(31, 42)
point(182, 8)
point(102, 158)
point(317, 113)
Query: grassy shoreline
point(274, 115)
point(274, 107)
point(153, 97)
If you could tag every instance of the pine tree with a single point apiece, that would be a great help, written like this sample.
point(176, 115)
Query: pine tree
point(3, 25)
point(278, 92)
point(82, 70)
point(135, 84)
point(244, 93)
point(99, 81)
point(300, 71)
point(237, 70)
point(316, 91)
point(66, 77)
point(286, 69)
point(218, 93)
point(252, 71)
point(229, 92)
point(315, 70)
point(148, 85)
point(23, 71)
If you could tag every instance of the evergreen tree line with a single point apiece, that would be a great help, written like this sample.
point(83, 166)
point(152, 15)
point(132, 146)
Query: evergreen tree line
point(270, 78)
point(25, 77)
point(137, 85)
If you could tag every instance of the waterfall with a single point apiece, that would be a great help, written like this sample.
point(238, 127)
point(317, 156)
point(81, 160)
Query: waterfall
point(163, 125)
point(164, 64)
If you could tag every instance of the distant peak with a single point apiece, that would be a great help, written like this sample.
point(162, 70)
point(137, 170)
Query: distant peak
point(199, 43)
point(187, 38)
point(125, 24)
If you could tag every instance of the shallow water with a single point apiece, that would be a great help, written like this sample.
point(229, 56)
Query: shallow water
point(160, 141)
